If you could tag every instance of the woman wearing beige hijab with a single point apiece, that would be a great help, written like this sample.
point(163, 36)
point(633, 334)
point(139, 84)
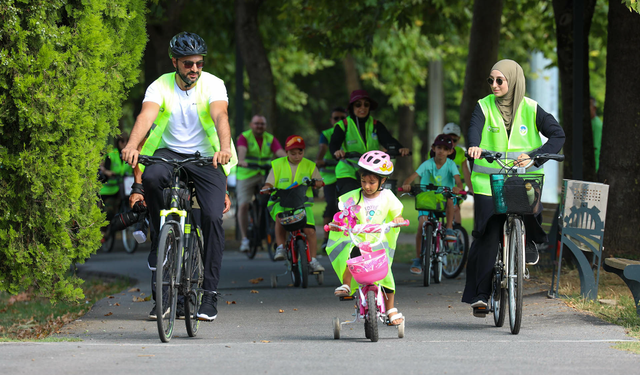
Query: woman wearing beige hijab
point(507, 122)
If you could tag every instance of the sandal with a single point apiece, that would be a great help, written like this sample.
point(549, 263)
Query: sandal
point(396, 315)
point(416, 267)
point(343, 290)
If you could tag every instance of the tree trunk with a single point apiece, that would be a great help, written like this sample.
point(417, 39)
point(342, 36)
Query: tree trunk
point(563, 13)
point(261, 87)
point(407, 119)
point(620, 137)
point(483, 53)
point(351, 74)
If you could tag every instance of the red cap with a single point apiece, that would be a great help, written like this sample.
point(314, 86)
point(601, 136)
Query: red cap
point(294, 141)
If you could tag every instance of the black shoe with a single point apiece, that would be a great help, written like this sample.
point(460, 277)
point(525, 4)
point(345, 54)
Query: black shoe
point(531, 255)
point(180, 310)
point(154, 316)
point(208, 310)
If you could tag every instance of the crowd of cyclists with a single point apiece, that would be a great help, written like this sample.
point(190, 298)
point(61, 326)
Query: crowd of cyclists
point(185, 112)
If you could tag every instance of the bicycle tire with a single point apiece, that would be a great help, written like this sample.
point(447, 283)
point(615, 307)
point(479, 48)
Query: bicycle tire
point(128, 241)
point(108, 241)
point(498, 293)
point(271, 236)
point(254, 231)
point(372, 315)
point(456, 257)
point(194, 269)
point(437, 260)
point(516, 275)
point(303, 261)
point(295, 274)
point(166, 271)
point(425, 254)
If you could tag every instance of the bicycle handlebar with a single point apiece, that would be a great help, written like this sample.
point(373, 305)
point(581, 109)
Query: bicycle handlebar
point(498, 157)
point(197, 159)
point(258, 166)
point(447, 191)
point(366, 228)
point(309, 182)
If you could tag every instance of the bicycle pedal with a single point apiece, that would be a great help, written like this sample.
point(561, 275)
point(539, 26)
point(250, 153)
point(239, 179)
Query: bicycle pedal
point(526, 273)
point(480, 312)
point(347, 298)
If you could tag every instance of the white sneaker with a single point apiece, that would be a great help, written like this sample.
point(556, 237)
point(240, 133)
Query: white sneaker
point(244, 246)
point(315, 265)
point(281, 253)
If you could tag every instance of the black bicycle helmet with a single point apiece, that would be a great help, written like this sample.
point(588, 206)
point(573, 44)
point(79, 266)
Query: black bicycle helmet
point(187, 44)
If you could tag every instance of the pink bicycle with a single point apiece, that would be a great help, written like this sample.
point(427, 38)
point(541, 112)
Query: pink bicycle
point(367, 270)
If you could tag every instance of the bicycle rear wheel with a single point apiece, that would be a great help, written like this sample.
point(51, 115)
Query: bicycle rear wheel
point(166, 288)
point(195, 276)
point(271, 235)
point(108, 240)
point(129, 242)
point(498, 293)
point(425, 254)
point(516, 275)
point(372, 316)
point(303, 261)
point(456, 256)
point(254, 230)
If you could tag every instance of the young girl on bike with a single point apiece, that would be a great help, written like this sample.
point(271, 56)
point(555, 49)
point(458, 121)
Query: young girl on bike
point(373, 205)
point(438, 171)
point(285, 171)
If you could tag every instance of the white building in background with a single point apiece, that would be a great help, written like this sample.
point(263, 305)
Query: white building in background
point(543, 87)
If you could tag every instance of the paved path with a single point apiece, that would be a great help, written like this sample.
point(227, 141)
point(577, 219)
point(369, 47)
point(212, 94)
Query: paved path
point(251, 336)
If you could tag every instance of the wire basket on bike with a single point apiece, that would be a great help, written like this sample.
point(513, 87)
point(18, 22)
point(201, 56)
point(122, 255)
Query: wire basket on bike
point(293, 200)
point(516, 193)
point(370, 267)
point(293, 220)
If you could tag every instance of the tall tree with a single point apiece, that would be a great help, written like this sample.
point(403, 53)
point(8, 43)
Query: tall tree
point(483, 53)
point(563, 13)
point(620, 131)
point(261, 85)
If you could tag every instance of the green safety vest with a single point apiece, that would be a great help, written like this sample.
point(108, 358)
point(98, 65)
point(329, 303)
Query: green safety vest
point(353, 142)
point(202, 89)
point(261, 156)
point(112, 186)
point(524, 138)
point(328, 172)
point(339, 246)
point(283, 179)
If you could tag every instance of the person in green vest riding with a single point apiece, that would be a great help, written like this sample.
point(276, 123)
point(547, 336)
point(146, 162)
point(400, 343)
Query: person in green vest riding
point(294, 168)
point(258, 147)
point(507, 122)
point(328, 172)
point(185, 112)
point(113, 169)
point(360, 133)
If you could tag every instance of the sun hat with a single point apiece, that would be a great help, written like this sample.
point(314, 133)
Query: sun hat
point(362, 94)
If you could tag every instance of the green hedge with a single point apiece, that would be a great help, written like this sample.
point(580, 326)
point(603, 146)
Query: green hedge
point(65, 68)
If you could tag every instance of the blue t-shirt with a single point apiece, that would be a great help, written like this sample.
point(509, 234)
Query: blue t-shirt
point(445, 176)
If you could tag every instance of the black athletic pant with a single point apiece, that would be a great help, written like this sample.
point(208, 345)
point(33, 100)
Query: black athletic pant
point(210, 186)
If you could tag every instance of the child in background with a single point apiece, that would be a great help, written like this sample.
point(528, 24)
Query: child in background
point(284, 172)
point(376, 206)
point(438, 171)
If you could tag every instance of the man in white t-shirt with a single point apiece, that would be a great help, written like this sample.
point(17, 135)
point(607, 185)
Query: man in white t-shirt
point(186, 112)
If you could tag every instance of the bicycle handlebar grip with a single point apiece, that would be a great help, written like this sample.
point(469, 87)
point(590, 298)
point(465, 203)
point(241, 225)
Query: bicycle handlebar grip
point(326, 228)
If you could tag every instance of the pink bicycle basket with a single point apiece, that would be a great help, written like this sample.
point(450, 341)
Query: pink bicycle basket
point(370, 267)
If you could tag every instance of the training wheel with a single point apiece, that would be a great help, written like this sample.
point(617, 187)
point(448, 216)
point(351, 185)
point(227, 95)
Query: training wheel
point(320, 278)
point(336, 328)
point(274, 281)
point(401, 329)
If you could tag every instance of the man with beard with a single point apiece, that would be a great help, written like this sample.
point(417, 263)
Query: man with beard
point(185, 112)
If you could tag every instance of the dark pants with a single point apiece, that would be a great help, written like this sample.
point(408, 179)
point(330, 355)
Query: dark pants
point(331, 198)
point(210, 185)
point(487, 241)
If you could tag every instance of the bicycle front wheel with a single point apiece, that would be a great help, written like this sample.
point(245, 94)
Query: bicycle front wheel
point(516, 274)
point(425, 253)
point(438, 259)
point(254, 230)
point(195, 276)
point(303, 261)
point(456, 255)
point(129, 242)
point(372, 315)
point(166, 288)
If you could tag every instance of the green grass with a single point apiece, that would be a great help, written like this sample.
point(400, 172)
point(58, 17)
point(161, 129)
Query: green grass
point(27, 317)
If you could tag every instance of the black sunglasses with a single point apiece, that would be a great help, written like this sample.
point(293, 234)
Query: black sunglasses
point(338, 118)
point(499, 81)
point(359, 104)
point(189, 64)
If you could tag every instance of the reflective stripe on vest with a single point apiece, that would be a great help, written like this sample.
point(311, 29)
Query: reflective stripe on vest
point(524, 138)
point(328, 173)
point(201, 90)
point(261, 156)
point(353, 142)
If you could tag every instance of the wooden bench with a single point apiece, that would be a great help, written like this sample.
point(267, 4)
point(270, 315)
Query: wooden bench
point(629, 271)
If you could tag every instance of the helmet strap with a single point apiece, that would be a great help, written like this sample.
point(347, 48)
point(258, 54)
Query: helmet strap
point(187, 84)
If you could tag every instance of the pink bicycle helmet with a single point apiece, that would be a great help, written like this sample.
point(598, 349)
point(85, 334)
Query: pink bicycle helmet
point(377, 162)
